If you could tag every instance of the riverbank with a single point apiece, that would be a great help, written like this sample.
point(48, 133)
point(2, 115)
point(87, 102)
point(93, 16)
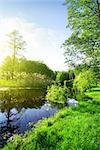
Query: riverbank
point(71, 128)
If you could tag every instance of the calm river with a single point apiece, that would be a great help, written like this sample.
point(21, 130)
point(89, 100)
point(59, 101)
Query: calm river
point(20, 107)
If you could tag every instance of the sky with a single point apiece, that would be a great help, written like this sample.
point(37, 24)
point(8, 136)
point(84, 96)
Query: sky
point(42, 23)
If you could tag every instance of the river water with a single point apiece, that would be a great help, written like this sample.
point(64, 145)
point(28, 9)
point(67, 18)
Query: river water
point(21, 108)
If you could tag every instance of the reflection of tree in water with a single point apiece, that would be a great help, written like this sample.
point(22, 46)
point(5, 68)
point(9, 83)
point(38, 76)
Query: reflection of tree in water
point(21, 98)
point(9, 126)
point(11, 100)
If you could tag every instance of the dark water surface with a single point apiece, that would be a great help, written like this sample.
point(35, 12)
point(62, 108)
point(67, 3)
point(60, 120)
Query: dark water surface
point(20, 107)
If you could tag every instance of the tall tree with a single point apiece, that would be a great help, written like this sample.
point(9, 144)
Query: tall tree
point(16, 44)
point(84, 21)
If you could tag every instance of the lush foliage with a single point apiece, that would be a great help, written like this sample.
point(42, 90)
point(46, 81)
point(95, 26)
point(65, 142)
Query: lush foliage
point(80, 68)
point(62, 76)
point(56, 93)
point(25, 66)
point(66, 79)
point(25, 73)
point(83, 20)
point(72, 128)
point(84, 81)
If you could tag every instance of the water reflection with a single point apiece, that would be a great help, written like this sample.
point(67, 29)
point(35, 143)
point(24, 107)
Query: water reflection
point(8, 125)
point(19, 98)
point(19, 107)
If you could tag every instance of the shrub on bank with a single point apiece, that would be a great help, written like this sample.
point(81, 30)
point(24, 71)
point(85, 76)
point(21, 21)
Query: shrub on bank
point(84, 81)
point(56, 93)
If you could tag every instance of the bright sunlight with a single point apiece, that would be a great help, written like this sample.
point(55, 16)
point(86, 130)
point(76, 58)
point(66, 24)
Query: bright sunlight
point(49, 75)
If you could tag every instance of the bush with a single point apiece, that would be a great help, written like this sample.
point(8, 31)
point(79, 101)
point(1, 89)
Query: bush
point(84, 81)
point(56, 93)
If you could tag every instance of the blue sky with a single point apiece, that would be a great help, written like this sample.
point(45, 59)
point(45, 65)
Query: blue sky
point(50, 13)
point(44, 22)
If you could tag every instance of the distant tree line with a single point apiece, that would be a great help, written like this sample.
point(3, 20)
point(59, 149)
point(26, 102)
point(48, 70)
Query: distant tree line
point(23, 67)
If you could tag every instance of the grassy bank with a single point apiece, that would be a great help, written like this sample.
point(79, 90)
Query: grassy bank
point(70, 129)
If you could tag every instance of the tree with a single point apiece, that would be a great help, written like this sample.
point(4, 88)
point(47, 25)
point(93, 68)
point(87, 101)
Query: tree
point(84, 81)
point(84, 21)
point(31, 67)
point(16, 44)
point(7, 68)
point(25, 67)
point(61, 77)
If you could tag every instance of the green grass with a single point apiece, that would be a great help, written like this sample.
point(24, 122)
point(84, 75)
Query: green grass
point(94, 93)
point(75, 128)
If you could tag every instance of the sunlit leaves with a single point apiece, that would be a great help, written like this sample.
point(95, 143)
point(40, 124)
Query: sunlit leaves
point(84, 80)
point(57, 94)
point(84, 21)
